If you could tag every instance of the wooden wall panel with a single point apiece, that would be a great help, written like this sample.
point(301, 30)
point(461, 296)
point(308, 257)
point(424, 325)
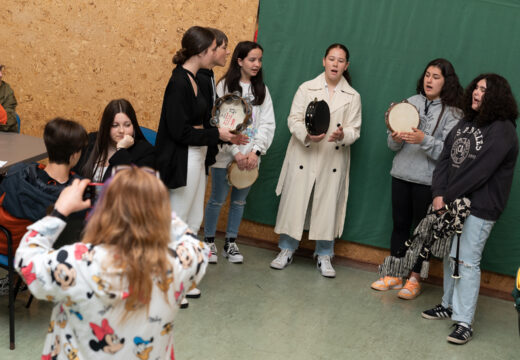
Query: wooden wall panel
point(71, 58)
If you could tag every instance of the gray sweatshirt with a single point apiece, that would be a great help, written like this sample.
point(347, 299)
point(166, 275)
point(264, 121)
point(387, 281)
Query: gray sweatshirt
point(416, 162)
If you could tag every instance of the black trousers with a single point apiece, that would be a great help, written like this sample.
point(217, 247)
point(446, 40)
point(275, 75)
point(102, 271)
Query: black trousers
point(410, 203)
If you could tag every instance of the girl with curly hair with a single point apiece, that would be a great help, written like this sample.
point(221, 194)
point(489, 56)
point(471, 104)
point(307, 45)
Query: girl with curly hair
point(477, 162)
point(438, 98)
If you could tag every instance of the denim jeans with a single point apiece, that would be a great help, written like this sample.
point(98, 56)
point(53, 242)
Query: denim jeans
point(219, 191)
point(462, 294)
point(323, 247)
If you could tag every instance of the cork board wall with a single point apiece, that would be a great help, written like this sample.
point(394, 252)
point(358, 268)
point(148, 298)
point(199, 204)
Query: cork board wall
point(70, 59)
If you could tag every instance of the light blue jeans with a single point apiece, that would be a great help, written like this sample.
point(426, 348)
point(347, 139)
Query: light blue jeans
point(462, 294)
point(219, 192)
point(323, 247)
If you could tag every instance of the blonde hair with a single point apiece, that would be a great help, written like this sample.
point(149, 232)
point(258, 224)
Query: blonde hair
point(132, 218)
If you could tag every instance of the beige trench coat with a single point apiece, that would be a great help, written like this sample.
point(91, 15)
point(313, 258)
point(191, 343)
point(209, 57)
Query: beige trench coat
point(323, 165)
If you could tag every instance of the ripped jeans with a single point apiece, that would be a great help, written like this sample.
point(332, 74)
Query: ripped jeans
point(219, 191)
point(462, 294)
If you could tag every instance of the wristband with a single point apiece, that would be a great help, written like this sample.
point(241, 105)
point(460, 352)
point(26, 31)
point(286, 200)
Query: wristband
point(57, 214)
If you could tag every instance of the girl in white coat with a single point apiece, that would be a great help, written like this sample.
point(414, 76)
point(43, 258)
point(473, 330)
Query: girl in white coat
point(315, 173)
point(244, 75)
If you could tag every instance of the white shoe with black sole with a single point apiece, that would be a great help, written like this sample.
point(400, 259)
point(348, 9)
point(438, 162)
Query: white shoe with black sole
point(184, 303)
point(193, 293)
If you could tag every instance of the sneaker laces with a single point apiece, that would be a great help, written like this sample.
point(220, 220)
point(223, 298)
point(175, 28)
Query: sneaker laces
point(213, 248)
point(233, 249)
point(282, 254)
point(460, 329)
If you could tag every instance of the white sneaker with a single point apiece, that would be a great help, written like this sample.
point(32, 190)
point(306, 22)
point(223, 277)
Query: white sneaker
point(213, 253)
point(283, 259)
point(325, 266)
point(193, 293)
point(184, 303)
point(232, 253)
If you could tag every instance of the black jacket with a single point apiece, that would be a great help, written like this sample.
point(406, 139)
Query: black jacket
point(180, 110)
point(142, 153)
point(478, 163)
point(206, 79)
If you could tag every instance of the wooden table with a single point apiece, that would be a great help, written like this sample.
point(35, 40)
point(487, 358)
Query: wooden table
point(16, 148)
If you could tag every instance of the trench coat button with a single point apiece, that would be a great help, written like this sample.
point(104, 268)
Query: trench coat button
point(333, 170)
point(343, 145)
point(337, 147)
point(301, 166)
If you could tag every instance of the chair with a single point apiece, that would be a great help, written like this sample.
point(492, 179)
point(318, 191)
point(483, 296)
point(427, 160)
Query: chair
point(149, 134)
point(18, 121)
point(7, 262)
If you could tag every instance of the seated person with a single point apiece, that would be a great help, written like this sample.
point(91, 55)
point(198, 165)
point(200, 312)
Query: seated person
point(29, 190)
point(7, 106)
point(119, 141)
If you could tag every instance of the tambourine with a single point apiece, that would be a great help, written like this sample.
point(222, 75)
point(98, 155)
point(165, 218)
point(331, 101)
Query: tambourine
point(317, 117)
point(232, 112)
point(402, 117)
point(241, 179)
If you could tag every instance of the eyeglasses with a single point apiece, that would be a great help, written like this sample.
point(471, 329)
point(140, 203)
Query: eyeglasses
point(146, 169)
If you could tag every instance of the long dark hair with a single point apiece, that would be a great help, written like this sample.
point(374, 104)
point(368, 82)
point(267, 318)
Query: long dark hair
point(232, 77)
point(452, 91)
point(498, 102)
point(346, 74)
point(194, 41)
point(98, 156)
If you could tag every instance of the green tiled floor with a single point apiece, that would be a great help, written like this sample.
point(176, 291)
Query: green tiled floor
point(250, 311)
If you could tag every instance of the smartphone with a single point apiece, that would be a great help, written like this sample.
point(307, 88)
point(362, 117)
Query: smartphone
point(92, 192)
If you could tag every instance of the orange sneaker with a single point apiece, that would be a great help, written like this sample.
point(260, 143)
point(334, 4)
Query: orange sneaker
point(387, 283)
point(411, 289)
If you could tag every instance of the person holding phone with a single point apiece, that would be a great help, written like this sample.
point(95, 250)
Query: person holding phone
point(117, 292)
point(29, 190)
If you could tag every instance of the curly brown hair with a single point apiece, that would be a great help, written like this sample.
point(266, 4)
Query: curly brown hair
point(498, 102)
point(452, 91)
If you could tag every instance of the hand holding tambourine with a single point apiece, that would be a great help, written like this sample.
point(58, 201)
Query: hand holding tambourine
point(317, 119)
point(232, 112)
point(402, 119)
point(241, 179)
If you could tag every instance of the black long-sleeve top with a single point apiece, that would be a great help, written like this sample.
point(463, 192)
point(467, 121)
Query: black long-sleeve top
point(141, 153)
point(181, 110)
point(478, 163)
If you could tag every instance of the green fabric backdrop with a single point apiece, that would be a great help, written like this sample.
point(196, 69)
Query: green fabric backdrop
point(390, 42)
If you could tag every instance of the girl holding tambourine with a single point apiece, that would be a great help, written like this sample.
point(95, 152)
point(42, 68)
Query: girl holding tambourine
point(438, 97)
point(245, 76)
point(314, 179)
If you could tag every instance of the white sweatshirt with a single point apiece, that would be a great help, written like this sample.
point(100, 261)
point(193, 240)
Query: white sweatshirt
point(260, 132)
